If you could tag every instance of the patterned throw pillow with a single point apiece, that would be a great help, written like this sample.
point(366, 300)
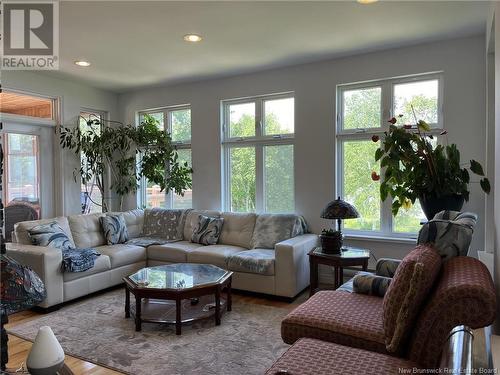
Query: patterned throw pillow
point(409, 287)
point(164, 223)
point(273, 228)
point(51, 235)
point(208, 230)
point(114, 228)
point(450, 233)
point(370, 284)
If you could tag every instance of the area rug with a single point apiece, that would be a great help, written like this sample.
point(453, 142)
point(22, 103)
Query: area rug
point(247, 342)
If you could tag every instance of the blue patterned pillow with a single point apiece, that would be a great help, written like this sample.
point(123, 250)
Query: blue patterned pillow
point(114, 228)
point(208, 230)
point(50, 234)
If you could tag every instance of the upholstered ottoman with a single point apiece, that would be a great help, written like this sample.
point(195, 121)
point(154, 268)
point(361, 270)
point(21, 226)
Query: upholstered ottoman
point(315, 357)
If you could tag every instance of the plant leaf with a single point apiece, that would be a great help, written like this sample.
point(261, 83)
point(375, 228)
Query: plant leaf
point(423, 126)
point(476, 168)
point(485, 185)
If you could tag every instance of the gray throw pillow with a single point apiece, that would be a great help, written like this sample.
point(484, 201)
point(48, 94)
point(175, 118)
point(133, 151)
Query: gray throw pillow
point(449, 232)
point(114, 228)
point(164, 223)
point(51, 235)
point(273, 228)
point(370, 284)
point(208, 230)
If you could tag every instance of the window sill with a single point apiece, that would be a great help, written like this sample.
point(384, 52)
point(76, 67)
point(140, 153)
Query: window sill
point(366, 237)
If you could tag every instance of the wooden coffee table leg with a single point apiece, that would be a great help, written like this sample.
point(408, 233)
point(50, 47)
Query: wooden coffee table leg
point(217, 306)
point(127, 303)
point(178, 323)
point(138, 306)
point(313, 276)
point(336, 277)
point(341, 276)
point(229, 297)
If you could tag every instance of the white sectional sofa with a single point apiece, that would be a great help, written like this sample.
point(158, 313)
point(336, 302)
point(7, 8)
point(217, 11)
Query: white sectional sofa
point(287, 273)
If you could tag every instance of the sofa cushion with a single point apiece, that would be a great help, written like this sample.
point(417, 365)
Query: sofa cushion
point(22, 235)
point(259, 261)
point(370, 284)
point(86, 230)
point(51, 235)
point(344, 318)
point(273, 228)
point(122, 255)
point(165, 223)
point(135, 222)
point(175, 252)
point(316, 357)
point(411, 284)
point(192, 220)
point(208, 230)
point(217, 255)
point(114, 228)
point(449, 232)
point(102, 263)
point(237, 229)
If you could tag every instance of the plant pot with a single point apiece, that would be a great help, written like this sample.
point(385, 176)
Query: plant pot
point(331, 244)
point(432, 205)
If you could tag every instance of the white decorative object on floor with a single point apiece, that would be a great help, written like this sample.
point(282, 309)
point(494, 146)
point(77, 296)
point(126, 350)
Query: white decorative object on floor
point(46, 356)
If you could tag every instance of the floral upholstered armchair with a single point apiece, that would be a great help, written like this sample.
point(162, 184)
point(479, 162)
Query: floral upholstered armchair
point(449, 232)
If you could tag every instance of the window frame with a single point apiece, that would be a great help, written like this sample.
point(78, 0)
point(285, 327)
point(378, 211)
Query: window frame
point(365, 134)
point(179, 145)
point(258, 142)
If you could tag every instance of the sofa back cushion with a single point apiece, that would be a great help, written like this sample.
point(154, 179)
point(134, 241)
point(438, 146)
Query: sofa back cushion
point(134, 219)
point(412, 283)
point(273, 228)
point(449, 232)
point(21, 229)
point(192, 221)
point(238, 229)
point(86, 230)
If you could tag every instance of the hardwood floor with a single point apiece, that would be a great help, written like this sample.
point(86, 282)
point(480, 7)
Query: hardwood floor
point(19, 348)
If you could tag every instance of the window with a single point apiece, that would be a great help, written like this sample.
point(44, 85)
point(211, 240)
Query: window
point(257, 138)
point(363, 111)
point(22, 170)
point(176, 121)
point(90, 195)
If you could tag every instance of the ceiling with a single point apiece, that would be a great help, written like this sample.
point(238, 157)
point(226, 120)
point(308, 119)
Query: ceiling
point(132, 44)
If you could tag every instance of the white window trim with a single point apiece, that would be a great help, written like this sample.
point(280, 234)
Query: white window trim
point(259, 141)
point(179, 145)
point(343, 135)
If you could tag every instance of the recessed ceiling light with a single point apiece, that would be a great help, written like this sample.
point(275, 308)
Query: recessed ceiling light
point(82, 63)
point(193, 38)
point(366, 1)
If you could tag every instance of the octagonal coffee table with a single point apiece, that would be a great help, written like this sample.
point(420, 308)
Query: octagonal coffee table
point(177, 293)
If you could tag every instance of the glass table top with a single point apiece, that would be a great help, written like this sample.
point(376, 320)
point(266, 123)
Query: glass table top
point(347, 252)
point(178, 276)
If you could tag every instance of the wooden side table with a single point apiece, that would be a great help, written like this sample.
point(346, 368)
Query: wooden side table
point(349, 257)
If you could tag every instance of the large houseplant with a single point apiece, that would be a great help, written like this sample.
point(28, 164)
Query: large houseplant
point(109, 153)
point(413, 168)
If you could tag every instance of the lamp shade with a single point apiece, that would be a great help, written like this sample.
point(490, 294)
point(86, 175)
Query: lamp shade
point(339, 209)
point(21, 287)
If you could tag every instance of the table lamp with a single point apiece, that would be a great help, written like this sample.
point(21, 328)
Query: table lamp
point(339, 210)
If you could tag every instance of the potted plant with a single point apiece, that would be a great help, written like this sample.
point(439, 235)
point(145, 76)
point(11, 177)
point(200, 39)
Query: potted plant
point(331, 241)
point(413, 168)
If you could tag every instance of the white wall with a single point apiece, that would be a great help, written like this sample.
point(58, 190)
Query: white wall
point(463, 63)
point(72, 97)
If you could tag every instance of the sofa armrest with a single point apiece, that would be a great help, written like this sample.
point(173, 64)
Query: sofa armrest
point(292, 264)
point(386, 267)
point(46, 262)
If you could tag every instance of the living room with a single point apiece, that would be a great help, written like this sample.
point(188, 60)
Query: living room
point(264, 120)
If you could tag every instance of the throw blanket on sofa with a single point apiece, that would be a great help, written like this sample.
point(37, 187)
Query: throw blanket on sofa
point(78, 260)
point(273, 228)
